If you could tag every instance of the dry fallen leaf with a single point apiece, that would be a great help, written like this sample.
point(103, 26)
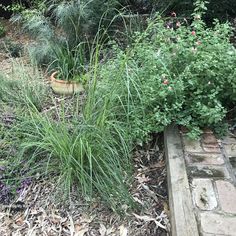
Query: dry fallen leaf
point(142, 179)
point(149, 219)
point(80, 230)
point(102, 230)
point(123, 230)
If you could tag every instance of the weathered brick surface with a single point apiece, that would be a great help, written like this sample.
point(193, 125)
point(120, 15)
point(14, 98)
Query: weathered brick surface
point(211, 148)
point(233, 161)
point(205, 158)
point(228, 140)
point(230, 149)
point(233, 164)
point(204, 196)
point(211, 164)
point(209, 138)
point(207, 131)
point(218, 224)
point(227, 196)
point(199, 171)
point(206, 234)
point(191, 146)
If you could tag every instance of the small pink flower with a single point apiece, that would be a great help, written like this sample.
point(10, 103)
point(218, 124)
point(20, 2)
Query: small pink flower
point(166, 81)
point(173, 14)
point(193, 33)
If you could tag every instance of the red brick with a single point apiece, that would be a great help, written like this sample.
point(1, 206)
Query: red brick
point(212, 148)
point(207, 130)
point(208, 138)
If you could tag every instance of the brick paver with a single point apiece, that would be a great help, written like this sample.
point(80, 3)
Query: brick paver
point(203, 194)
point(230, 149)
point(208, 171)
point(205, 158)
point(218, 224)
point(211, 167)
point(192, 146)
point(227, 196)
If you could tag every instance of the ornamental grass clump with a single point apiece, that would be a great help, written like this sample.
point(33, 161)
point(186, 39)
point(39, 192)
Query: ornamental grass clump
point(94, 158)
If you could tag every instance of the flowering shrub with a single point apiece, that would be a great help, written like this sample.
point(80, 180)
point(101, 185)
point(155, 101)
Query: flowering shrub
point(184, 74)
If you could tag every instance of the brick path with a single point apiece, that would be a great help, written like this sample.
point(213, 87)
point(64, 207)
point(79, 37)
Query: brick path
point(211, 169)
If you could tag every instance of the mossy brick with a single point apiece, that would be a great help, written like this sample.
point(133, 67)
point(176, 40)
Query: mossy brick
point(198, 171)
point(205, 158)
point(191, 146)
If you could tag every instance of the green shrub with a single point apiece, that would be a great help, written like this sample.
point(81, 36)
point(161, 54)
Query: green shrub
point(186, 76)
point(13, 48)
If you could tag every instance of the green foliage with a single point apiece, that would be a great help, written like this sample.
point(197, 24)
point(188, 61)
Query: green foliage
point(172, 72)
point(13, 48)
point(85, 150)
point(70, 63)
point(186, 76)
point(63, 38)
point(95, 159)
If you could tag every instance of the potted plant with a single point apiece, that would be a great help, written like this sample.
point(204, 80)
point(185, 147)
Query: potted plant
point(68, 74)
point(65, 87)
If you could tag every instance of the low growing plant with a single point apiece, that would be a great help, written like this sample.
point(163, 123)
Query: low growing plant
point(183, 74)
point(94, 158)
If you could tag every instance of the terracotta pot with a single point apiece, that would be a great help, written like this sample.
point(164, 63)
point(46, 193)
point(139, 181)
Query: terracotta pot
point(64, 87)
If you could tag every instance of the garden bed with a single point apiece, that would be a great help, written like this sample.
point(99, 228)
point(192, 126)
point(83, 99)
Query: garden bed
point(31, 206)
point(36, 210)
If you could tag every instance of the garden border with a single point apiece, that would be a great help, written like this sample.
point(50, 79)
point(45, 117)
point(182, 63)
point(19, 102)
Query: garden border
point(183, 221)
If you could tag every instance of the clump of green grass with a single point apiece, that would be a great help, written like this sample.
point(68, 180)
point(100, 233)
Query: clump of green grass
point(84, 149)
point(93, 158)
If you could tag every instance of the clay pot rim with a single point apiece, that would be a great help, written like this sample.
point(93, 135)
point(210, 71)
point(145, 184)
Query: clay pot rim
point(52, 78)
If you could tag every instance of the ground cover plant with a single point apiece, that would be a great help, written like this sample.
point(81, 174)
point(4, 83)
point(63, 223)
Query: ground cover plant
point(177, 73)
